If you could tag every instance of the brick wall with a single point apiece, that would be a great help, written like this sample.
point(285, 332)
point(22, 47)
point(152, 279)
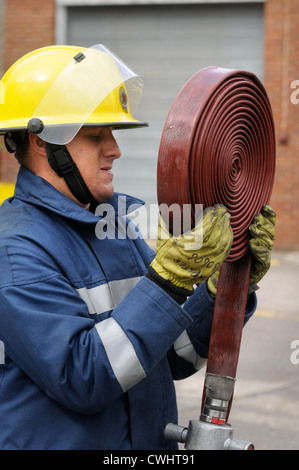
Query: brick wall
point(28, 25)
point(2, 16)
point(281, 69)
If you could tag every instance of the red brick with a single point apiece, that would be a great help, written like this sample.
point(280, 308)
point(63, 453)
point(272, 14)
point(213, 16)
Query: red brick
point(280, 71)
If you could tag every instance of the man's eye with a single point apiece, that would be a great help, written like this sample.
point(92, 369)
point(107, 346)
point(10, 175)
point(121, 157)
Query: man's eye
point(96, 137)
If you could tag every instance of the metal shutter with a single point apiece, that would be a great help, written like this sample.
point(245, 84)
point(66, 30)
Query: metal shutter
point(166, 45)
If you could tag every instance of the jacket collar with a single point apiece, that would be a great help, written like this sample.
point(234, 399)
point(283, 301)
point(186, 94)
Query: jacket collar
point(37, 191)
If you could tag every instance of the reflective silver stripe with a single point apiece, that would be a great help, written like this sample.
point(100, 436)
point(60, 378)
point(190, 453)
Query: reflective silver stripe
point(106, 297)
point(185, 349)
point(98, 299)
point(119, 289)
point(2, 353)
point(121, 353)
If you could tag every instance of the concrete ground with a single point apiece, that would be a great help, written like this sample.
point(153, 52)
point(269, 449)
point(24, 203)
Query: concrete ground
point(265, 408)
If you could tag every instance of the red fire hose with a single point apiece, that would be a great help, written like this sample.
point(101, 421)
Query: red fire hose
point(218, 146)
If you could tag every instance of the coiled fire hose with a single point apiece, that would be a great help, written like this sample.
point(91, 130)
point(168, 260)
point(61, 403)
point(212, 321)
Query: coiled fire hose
point(218, 146)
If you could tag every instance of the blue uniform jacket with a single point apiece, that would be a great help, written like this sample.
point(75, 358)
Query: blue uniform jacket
point(89, 347)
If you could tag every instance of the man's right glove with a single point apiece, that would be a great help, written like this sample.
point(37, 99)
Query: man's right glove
point(182, 261)
point(262, 235)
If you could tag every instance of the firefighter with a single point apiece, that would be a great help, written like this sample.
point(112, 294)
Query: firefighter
point(94, 331)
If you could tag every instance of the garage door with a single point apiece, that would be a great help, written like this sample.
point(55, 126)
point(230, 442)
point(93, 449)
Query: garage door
point(166, 45)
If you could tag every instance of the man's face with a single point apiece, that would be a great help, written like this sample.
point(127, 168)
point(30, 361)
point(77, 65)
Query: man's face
point(94, 150)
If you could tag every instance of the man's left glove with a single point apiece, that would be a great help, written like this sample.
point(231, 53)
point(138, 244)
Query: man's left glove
point(262, 232)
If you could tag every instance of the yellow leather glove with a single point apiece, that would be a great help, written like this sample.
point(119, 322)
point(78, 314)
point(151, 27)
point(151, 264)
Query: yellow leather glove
point(185, 262)
point(262, 232)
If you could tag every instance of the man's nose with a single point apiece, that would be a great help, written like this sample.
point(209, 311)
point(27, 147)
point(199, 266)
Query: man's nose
point(112, 148)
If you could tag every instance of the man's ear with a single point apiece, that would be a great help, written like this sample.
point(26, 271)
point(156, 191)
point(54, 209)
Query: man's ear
point(38, 144)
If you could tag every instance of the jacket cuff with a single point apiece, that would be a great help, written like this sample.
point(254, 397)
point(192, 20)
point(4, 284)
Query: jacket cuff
point(179, 294)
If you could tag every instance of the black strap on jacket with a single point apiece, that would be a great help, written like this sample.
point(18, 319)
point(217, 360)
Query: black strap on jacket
point(62, 163)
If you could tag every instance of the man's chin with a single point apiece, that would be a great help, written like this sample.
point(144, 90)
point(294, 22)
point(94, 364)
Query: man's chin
point(102, 198)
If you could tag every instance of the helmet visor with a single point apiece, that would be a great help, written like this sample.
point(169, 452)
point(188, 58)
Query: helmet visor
point(77, 91)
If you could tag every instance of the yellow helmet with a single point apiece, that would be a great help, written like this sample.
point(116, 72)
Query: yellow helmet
point(6, 190)
point(55, 90)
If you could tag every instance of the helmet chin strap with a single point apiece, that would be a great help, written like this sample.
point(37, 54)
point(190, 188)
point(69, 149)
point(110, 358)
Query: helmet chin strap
point(62, 163)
